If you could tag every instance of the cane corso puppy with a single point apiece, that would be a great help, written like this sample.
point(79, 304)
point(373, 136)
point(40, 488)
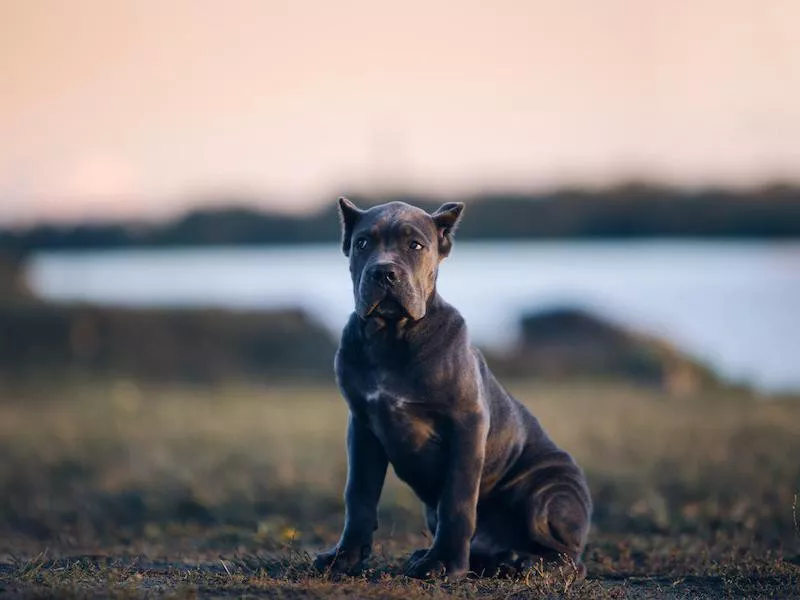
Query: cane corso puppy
point(498, 493)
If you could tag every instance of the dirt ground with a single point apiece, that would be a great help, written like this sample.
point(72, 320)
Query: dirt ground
point(118, 489)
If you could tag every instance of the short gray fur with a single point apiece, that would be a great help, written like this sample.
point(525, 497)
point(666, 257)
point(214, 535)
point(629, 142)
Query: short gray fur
point(497, 491)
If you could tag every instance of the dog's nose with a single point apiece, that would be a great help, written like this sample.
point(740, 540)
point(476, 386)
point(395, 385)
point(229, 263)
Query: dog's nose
point(384, 274)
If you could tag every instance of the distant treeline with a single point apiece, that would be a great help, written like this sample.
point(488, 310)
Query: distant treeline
point(626, 211)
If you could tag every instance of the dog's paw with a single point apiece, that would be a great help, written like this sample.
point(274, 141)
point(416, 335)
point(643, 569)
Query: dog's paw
point(425, 568)
point(425, 565)
point(340, 561)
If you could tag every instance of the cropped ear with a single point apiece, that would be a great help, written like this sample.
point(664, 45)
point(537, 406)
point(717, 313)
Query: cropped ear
point(349, 214)
point(446, 219)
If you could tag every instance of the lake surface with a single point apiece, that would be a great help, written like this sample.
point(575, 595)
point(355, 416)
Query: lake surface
point(735, 305)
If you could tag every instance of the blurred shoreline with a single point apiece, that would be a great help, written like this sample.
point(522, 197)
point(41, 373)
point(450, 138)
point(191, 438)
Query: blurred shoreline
point(72, 341)
point(728, 303)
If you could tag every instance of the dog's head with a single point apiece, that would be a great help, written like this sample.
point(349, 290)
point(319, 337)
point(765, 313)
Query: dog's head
point(395, 250)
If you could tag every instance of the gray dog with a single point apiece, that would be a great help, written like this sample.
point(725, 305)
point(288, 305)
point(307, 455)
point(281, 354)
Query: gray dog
point(498, 493)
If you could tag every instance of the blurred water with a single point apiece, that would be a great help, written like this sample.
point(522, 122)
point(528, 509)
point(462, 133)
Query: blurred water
point(736, 305)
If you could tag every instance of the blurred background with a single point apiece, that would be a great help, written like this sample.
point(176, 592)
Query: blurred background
point(172, 286)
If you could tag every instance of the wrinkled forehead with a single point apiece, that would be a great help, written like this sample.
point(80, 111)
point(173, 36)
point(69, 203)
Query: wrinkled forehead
point(397, 220)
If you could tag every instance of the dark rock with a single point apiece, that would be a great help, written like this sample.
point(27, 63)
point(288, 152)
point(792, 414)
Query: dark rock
point(566, 342)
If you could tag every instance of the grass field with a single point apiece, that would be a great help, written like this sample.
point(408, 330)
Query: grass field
point(117, 489)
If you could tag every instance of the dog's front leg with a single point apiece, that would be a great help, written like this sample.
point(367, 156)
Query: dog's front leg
point(366, 472)
point(457, 508)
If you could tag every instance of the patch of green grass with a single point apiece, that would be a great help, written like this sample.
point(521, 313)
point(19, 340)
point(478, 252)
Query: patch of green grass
point(118, 489)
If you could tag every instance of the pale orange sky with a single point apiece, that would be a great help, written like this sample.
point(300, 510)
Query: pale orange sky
point(118, 108)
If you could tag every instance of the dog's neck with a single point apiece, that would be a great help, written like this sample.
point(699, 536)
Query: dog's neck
point(395, 339)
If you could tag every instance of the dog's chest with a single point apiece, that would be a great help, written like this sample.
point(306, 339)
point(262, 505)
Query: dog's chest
point(399, 420)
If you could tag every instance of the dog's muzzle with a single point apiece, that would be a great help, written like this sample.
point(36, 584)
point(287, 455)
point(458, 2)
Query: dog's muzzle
point(384, 293)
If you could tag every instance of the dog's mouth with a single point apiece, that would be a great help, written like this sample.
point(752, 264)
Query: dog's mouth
point(388, 305)
point(389, 308)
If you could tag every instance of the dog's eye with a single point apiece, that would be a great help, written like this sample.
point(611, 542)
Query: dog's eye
point(361, 243)
point(416, 246)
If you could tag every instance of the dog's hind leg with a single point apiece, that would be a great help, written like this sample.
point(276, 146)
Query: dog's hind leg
point(559, 508)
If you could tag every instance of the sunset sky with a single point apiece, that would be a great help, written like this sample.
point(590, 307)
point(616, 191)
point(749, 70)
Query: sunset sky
point(139, 108)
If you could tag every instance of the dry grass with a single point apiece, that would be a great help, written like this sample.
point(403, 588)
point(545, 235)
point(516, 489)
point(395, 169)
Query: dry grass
point(114, 489)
